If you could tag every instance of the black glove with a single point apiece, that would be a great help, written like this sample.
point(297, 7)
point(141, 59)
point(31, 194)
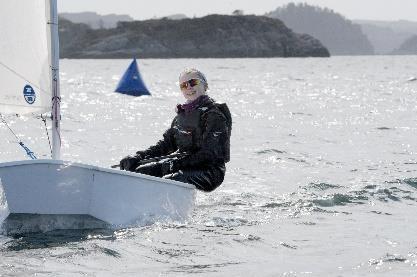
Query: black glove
point(130, 163)
point(169, 166)
point(159, 169)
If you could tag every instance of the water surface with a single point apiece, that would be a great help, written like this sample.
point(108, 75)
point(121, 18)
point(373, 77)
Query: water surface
point(322, 179)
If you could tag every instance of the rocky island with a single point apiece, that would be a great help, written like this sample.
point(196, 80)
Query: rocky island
point(409, 47)
point(340, 35)
point(213, 36)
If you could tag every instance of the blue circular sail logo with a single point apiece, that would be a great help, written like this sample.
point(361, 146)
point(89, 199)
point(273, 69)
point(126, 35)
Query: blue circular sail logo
point(29, 94)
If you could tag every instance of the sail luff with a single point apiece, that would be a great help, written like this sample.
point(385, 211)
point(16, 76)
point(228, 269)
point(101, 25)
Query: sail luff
point(56, 97)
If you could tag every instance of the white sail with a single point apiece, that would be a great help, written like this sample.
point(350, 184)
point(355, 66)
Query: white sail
point(25, 56)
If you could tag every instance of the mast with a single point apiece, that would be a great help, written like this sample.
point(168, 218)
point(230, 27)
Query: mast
point(56, 96)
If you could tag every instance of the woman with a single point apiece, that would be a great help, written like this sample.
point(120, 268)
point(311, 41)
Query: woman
point(199, 134)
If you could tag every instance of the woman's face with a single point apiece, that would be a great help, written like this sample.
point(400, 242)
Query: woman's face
point(191, 86)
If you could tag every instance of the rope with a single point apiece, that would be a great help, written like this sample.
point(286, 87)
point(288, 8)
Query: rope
point(47, 133)
point(22, 77)
point(28, 151)
point(7, 125)
point(57, 101)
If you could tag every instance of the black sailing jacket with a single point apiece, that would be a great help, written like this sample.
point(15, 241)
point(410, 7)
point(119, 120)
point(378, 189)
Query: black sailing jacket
point(203, 133)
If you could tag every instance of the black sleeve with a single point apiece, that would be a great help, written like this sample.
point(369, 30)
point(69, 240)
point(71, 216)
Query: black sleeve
point(163, 147)
point(215, 135)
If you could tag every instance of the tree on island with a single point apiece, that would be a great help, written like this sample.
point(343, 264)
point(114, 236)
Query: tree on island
point(237, 12)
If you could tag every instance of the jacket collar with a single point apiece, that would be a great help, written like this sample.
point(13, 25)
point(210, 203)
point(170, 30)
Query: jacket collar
point(191, 106)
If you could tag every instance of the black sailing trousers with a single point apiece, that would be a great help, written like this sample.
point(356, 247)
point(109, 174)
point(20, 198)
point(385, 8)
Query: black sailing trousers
point(205, 179)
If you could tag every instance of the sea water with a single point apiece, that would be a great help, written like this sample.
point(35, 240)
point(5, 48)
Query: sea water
point(322, 179)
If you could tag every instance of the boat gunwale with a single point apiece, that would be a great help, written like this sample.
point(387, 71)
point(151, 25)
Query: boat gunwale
point(95, 168)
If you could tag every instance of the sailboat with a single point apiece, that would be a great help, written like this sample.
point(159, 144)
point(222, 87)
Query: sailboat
point(131, 82)
point(65, 191)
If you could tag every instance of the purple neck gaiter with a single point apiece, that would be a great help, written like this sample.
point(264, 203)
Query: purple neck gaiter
point(191, 106)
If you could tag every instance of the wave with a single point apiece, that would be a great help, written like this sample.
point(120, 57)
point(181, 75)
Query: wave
point(339, 199)
point(411, 182)
point(227, 222)
point(389, 258)
point(202, 268)
point(322, 186)
point(267, 151)
point(320, 197)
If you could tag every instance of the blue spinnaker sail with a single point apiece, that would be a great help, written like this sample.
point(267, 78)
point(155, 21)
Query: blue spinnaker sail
point(131, 82)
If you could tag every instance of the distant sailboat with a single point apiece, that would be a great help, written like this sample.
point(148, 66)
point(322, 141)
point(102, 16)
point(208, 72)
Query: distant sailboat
point(131, 82)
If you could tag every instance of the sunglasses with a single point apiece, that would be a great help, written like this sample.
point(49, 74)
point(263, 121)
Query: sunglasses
point(191, 83)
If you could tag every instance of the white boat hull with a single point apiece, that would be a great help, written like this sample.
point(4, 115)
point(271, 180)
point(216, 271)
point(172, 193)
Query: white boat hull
point(119, 198)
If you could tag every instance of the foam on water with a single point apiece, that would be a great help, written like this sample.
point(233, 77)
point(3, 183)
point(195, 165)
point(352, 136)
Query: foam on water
point(4, 209)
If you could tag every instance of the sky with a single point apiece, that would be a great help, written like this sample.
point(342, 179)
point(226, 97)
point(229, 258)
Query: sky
point(139, 9)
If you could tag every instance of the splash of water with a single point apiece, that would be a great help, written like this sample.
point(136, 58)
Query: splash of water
point(4, 208)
